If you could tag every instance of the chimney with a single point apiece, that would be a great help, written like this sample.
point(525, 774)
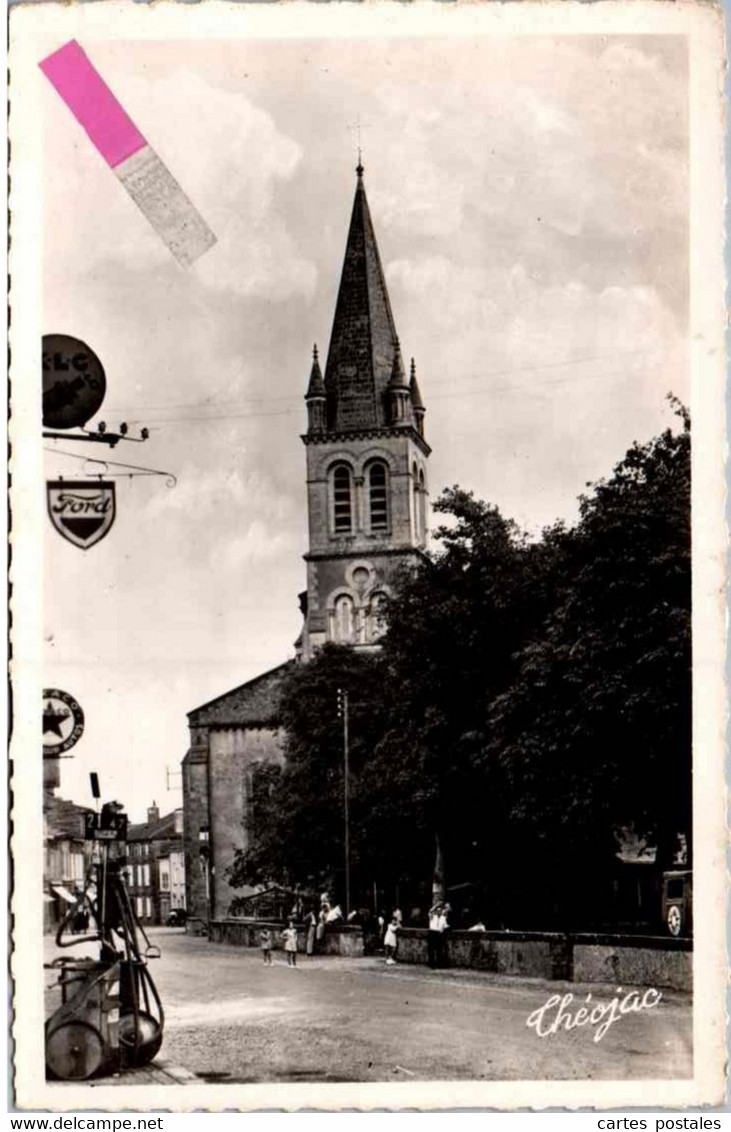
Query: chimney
point(153, 813)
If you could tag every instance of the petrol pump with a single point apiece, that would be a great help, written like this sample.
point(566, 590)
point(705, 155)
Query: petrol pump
point(110, 1018)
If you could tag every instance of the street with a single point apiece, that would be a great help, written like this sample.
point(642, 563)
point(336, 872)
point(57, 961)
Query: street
point(228, 1018)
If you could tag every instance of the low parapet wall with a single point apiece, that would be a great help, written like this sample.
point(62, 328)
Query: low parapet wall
point(624, 960)
point(345, 939)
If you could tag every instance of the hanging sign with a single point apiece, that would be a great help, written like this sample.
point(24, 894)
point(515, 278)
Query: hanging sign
point(81, 511)
point(74, 383)
point(63, 722)
point(106, 826)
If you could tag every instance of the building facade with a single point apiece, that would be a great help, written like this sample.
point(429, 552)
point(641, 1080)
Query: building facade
point(367, 503)
point(67, 857)
point(152, 847)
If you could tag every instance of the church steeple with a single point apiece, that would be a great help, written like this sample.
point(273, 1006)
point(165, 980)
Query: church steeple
point(363, 339)
point(315, 397)
point(367, 489)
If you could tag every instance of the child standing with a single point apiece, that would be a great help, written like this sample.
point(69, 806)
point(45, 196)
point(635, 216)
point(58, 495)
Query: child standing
point(390, 940)
point(265, 943)
point(289, 935)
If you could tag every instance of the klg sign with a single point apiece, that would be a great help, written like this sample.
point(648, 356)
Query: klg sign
point(82, 512)
point(74, 383)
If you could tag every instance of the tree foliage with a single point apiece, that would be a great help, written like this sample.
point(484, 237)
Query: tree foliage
point(531, 696)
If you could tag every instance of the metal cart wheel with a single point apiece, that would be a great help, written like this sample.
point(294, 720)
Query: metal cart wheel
point(74, 1051)
point(149, 1038)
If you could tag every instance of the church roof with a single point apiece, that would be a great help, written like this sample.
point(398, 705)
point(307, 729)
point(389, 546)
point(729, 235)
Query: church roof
point(363, 339)
point(254, 704)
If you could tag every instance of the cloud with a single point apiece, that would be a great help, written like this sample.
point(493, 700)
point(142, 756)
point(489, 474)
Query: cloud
point(256, 545)
point(247, 519)
point(531, 389)
point(228, 155)
point(507, 314)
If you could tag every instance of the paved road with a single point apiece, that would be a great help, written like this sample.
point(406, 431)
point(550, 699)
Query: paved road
point(230, 1019)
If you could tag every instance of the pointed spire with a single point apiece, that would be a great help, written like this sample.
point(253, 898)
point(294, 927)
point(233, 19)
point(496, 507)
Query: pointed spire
point(316, 397)
point(417, 403)
point(397, 379)
point(316, 387)
point(416, 399)
point(363, 336)
point(397, 392)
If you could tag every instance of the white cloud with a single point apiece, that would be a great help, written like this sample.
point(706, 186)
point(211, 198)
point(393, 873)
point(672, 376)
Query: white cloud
point(257, 544)
point(227, 154)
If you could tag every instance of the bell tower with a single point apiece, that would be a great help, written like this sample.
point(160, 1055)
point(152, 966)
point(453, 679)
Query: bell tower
point(367, 493)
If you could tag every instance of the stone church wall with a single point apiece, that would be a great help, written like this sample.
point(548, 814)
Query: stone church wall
point(234, 753)
point(195, 818)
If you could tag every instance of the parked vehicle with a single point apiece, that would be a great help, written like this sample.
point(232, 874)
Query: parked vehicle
point(177, 918)
point(677, 901)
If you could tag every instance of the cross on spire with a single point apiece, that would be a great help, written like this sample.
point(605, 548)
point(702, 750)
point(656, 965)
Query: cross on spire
point(359, 143)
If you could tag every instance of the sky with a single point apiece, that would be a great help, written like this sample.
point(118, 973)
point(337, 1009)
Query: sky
point(530, 202)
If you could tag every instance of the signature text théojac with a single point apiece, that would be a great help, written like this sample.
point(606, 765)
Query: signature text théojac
point(557, 1012)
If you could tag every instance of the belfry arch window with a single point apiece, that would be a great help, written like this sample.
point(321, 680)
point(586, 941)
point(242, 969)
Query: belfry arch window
point(377, 617)
point(422, 506)
point(378, 496)
point(342, 493)
point(344, 620)
point(416, 503)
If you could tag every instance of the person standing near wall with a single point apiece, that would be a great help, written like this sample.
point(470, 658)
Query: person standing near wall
point(390, 940)
point(442, 940)
point(311, 925)
point(289, 935)
point(320, 930)
point(434, 935)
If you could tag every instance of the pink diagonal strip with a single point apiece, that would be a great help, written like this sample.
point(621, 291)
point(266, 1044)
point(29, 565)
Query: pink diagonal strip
point(92, 103)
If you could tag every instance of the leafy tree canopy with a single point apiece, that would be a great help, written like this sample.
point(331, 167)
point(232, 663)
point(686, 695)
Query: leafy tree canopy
point(530, 697)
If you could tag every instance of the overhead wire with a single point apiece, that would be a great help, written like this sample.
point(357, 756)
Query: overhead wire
point(213, 402)
point(297, 406)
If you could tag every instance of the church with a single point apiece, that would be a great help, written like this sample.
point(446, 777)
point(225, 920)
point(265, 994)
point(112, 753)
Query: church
point(367, 503)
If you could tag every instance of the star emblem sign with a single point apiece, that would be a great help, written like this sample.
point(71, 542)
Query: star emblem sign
point(53, 717)
point(63, 722)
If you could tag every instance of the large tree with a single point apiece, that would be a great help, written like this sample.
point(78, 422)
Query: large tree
point(530, 697)
point(594, 731)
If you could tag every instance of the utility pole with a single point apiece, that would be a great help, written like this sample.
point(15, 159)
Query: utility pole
point(343, 710)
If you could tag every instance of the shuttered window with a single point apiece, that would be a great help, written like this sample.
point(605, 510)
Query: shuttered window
point(342, 500)
point(378, 496)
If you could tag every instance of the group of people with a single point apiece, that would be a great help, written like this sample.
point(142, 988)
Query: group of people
point(316, 922)
point(289, 942)
point(438, 925)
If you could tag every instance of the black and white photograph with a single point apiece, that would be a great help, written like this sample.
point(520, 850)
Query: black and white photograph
point(367, 555)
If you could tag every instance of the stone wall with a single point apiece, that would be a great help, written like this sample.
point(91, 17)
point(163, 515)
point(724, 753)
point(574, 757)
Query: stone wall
point(222, 759)
point(234, 753)
point(630, 966)
point(195, 818)
point(342, 940)
point(622, 960)
point(531, 954)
